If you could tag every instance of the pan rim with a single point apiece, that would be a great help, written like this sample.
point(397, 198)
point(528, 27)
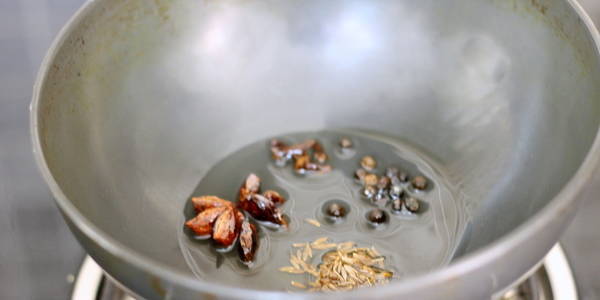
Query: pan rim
point(566, 197)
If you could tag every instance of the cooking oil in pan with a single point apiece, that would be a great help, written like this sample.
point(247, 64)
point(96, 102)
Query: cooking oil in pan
point(411, 242)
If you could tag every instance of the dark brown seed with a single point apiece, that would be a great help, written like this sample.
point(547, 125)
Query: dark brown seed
point(263, 209)
point(335, 210)
point(277, 145)
point(377, 216)
point(281, 152)
point(383, 183)
point(206, 202)
point(345, 143)
point(275, 197)
point(300, 162)
point(252, 183)
point(412, 204)
point(396, 192)
point(371, 179)
point(319, 153)
point(368, 163)
point(224, 230)
point(248, 242)
point(320, 157)
point(397, 205)
point(419, 183)
point(250, 186)
point(369, 191)
point(202, 224)
point(239, 218)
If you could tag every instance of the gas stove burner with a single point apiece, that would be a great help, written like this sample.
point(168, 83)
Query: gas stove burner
point(551, 280)
point(93, 284)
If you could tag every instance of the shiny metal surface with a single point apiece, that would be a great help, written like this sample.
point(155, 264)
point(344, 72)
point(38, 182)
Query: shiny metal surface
point(477, 90)
point(552, 280)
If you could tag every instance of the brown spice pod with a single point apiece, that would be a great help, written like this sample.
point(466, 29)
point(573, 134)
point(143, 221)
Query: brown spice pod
point(275, 197)
point(319, 154)
point(206, 202)
point(263, 209)
point(224, 230)
point(202, 224)
point(250, 186)
point(248, 242)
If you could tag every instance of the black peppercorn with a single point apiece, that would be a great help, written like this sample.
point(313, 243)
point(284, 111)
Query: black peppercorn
point(369, 191)
point(377, 216)
point(412, 204)
point(335, 210)
point(419, 183)
point(397, 205)
point(345, 143)
point(368, 163)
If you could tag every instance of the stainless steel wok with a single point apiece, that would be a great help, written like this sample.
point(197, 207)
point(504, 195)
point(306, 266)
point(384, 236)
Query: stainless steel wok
point(137, 99)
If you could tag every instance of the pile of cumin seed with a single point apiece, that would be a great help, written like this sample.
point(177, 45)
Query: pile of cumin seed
point(343, 267)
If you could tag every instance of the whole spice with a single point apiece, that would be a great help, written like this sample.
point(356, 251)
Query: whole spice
point(368, 192)
point(377, 216)
point(219, 219)
point(275, 197)
point(319, 153)
point(250, 186)
point(397, 205)
point(371, 179)
point(263, 209)
point(224, 230)
point(383, 183)
point(224, 222)
point(297, 284)
point(419, 182)
point(412, 204)
point(345, 143)
point(248, 242)
point(368, 163)
point(202, 224)
point(344, 268)
point(320, 157)
point(396, 192)
point(335, 210)
point(301, 154)
point(313, 222)
point(302, 164)
point(204, 202)
point(279, 152)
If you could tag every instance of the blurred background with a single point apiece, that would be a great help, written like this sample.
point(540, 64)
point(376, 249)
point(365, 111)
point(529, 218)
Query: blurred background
point(39, 258)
